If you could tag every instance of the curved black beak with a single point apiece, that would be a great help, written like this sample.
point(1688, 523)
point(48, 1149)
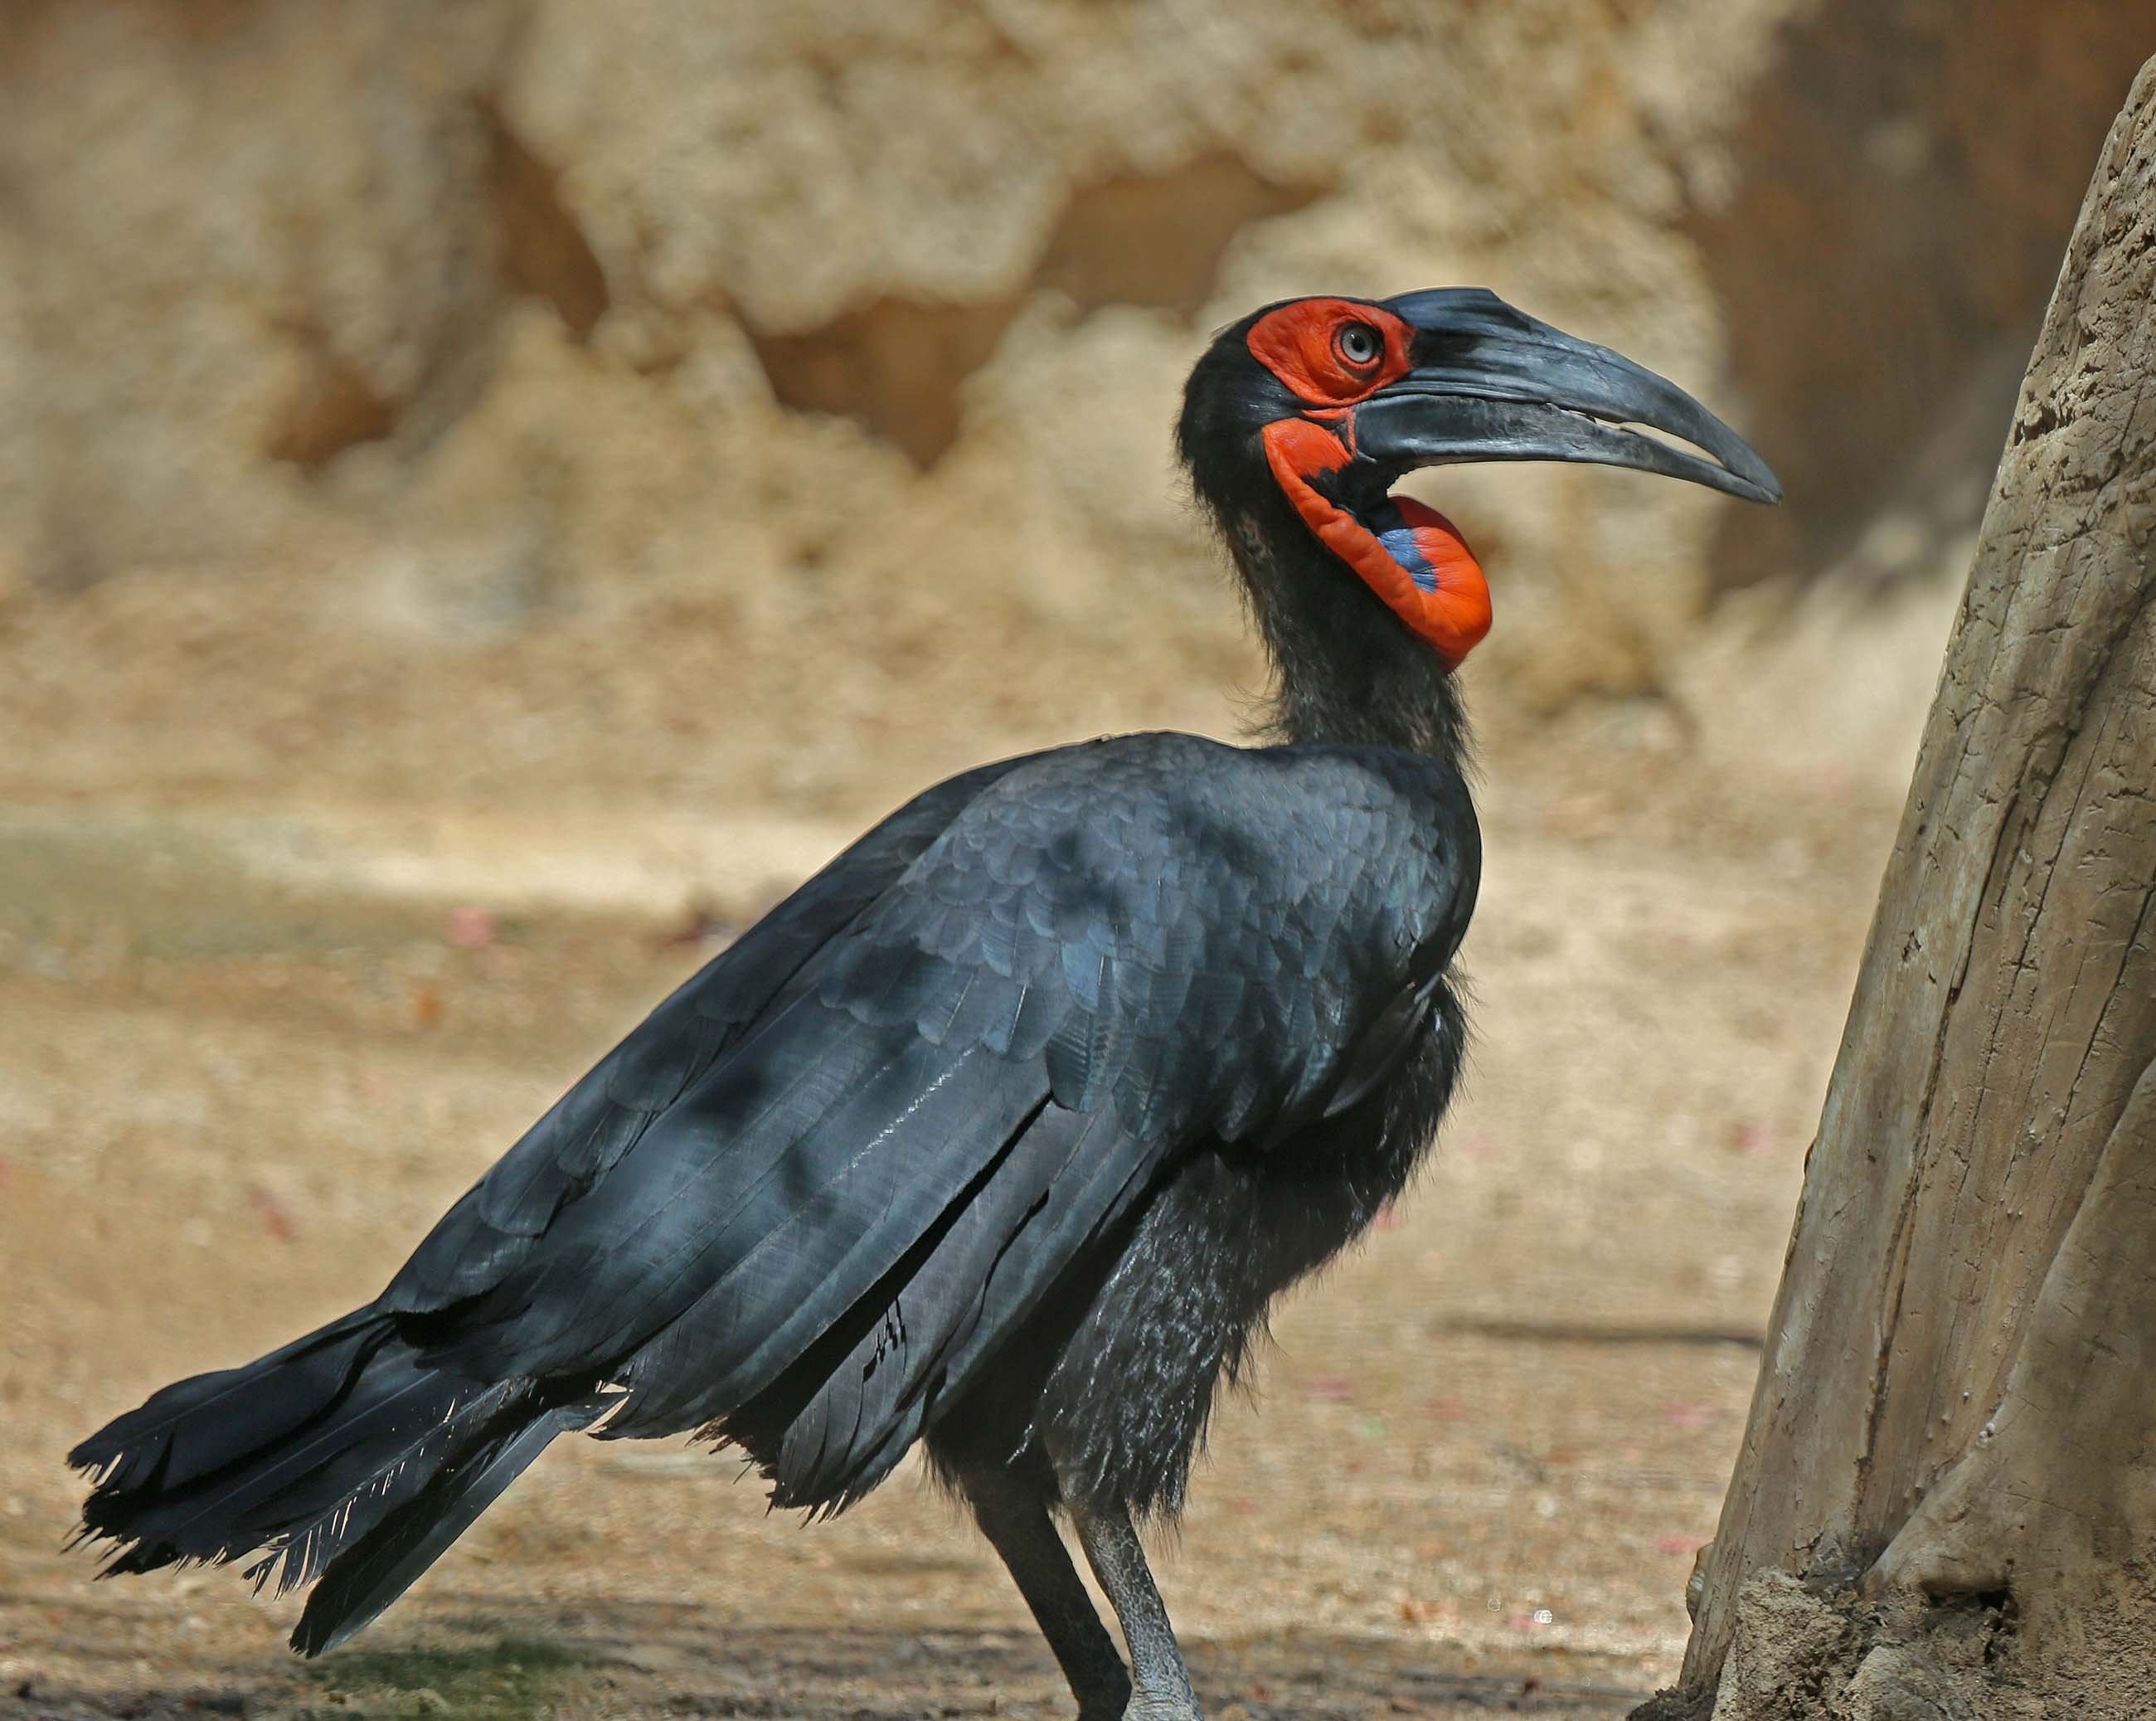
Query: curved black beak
point(1491, 383)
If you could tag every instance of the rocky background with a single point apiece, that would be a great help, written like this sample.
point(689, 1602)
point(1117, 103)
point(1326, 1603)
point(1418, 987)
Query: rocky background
point(770, 401)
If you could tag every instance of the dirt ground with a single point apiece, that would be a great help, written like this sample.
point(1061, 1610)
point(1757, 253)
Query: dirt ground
point(256, 1036)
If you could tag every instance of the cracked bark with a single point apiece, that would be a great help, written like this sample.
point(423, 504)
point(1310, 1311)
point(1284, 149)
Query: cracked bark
point(1946, 1500)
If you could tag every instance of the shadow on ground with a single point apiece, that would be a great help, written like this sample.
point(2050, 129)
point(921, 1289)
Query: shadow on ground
point(661, 1660)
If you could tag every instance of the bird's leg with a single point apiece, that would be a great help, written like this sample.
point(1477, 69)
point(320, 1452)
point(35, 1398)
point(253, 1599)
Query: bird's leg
point(1162, 1689)
point(1014, 1518)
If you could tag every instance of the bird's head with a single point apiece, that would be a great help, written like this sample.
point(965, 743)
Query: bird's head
point(1324, 404)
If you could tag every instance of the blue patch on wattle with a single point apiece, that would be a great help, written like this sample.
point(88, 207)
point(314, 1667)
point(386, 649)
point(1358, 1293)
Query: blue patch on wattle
point(1399, 539)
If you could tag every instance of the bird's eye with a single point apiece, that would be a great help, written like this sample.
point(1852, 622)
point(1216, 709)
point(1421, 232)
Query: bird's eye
point(1359, 344)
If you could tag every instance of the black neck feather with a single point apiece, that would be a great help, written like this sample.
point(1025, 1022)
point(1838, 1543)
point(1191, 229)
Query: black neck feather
point(1345, 668)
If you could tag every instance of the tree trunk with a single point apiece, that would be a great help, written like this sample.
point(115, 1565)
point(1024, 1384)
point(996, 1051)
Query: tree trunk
point(1945, 1506)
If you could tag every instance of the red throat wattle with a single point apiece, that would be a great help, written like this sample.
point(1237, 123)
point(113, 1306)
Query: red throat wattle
point(1423, 570)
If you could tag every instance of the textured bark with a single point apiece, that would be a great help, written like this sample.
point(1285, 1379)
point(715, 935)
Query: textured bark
point(1951, 1442)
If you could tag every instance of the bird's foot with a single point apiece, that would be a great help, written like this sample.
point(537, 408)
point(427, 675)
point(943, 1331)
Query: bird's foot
point(1143, 1708)
point(1158, 1708)
point(1155, 1706)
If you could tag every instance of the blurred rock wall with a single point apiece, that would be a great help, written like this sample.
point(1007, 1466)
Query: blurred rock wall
point(1903, 183)
point(857, 330)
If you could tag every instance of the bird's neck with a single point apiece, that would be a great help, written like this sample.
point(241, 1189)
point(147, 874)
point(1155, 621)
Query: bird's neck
point(1345, 670)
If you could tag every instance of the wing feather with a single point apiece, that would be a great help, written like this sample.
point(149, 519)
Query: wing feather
point(878, 1132)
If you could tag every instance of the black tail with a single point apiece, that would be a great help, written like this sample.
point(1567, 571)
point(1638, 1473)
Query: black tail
point(347, 1455)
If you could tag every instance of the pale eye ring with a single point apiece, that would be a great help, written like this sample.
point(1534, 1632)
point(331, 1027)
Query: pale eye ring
point(1359, 344)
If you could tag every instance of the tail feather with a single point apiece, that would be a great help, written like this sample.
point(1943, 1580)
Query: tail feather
point(382, 1565)
point(347, 1451)
point(196, 1427)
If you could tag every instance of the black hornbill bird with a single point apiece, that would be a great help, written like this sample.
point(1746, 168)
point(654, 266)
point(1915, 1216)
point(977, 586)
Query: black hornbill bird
point(1003, 1131)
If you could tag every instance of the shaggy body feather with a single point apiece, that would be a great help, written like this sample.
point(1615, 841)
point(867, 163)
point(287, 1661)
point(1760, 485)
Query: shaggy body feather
point(1049, 1067)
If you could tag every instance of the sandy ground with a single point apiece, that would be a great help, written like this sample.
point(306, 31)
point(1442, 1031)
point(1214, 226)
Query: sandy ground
point(300, 926)
point(249, 1057)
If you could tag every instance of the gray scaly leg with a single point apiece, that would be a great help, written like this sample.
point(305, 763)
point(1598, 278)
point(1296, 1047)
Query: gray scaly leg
point(1015, 1520)
point(1161, 1684)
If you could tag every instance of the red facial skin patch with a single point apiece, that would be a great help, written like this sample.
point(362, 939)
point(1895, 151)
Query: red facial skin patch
point(1301, 344)
point(1452, 617)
